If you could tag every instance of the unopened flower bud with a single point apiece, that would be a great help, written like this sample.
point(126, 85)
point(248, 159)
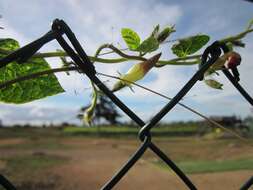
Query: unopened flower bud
point(229, 60)
point(234, 60)
point(213, 84)
point(219, 63)
point(155, 31)
point(136, 72)
point(165, 34)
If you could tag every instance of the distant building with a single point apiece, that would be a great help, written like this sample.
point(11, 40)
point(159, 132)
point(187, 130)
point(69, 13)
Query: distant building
point(227, 121)
point(231, 122)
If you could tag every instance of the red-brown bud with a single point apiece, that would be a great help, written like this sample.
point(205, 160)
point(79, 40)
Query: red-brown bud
point(233, 60)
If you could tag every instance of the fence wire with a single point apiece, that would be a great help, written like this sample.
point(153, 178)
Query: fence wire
point(78, 55)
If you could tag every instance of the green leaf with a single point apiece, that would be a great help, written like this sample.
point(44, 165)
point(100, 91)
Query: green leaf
point(188, 46)
point(29, 90)
point(148, 45)
point(213, 84)
point(131, 38)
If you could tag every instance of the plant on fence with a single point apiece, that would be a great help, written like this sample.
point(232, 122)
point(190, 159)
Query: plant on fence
point(22, 83)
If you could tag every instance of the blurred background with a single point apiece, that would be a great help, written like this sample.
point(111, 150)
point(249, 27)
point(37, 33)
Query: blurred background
point(45, 144)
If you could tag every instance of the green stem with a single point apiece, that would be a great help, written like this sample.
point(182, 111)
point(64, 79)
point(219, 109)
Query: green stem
point(236, 37)
point(180, 61)
point(35, 75)
point(64, 54)
point(176, 61)
point(119, 52)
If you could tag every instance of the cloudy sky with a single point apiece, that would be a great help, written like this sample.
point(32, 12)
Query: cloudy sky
point(97, 22)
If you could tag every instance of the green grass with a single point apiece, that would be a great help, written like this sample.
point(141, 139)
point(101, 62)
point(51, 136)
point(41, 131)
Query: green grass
point(130, 131)
point(105, 131)
point(192, 167)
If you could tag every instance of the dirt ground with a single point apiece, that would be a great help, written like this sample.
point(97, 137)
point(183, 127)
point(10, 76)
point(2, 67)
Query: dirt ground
point(93, 161)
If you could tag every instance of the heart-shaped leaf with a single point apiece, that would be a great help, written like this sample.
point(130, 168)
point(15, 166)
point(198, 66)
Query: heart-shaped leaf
point(29, 90)
point(188, 46)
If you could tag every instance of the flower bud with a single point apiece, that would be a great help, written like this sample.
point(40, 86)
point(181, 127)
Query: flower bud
point(229, 60)
point(220, 62)
point(155, 31)
point(136, 72)
point(234, 60)
point(165, 34)
point(213, 84)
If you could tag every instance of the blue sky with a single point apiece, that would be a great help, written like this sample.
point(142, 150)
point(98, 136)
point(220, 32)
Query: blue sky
point(97, 22)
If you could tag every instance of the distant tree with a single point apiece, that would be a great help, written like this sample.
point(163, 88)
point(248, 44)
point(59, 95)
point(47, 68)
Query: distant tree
point(105, 111)
point(64, 124)
point(27, 125)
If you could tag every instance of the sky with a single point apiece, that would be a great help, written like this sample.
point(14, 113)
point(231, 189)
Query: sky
point(97, 22)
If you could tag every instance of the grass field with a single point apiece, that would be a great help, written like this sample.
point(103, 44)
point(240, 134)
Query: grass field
point(131, 131)
point(36, 158)
point(192, 167)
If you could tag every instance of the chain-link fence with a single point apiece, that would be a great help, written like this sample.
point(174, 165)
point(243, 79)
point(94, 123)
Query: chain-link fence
point(76, 52)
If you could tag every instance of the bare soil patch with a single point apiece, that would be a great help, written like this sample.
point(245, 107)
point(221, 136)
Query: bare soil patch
point(93, 161)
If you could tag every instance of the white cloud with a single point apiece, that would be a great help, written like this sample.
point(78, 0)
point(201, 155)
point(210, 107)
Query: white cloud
point(10, 32)
point(37, 113)
point(95, 22)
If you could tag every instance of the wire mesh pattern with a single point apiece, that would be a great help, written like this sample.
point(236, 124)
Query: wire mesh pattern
point(78, 55)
